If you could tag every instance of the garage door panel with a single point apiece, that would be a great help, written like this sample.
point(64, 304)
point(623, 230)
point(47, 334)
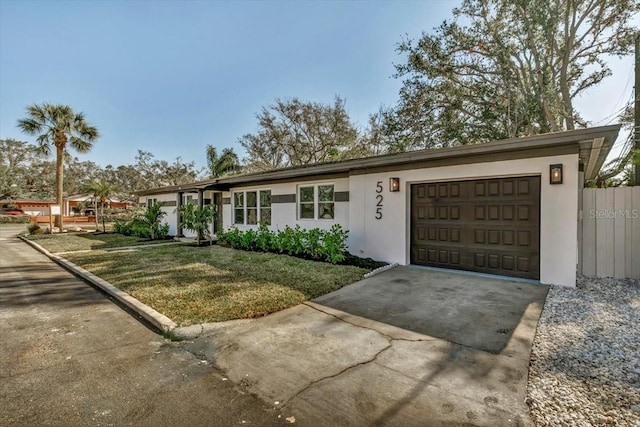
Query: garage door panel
point(495, 262)
point(484, 225)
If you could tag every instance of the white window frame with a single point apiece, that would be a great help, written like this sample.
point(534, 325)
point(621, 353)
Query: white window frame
point(151, 200)
point(246, 208)
point(316, 202)
point(188, 198)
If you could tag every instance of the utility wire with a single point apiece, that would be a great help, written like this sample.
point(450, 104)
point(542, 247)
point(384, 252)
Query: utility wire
point(625, 86)
point(612, 116)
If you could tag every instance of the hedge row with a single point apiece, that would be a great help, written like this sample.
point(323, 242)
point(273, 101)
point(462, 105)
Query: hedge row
point(312, 243)
point(14, 219)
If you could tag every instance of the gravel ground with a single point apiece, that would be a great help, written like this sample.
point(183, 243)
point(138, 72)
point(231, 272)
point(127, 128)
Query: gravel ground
point(585, 361)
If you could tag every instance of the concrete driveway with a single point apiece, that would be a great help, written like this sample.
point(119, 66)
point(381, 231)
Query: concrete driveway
point(406, 347)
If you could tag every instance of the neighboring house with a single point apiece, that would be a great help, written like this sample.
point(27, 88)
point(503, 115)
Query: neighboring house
point(490, 208)
point(72, 204)
point(31, 207)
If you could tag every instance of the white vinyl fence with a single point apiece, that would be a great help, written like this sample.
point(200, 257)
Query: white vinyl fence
point(609, 233)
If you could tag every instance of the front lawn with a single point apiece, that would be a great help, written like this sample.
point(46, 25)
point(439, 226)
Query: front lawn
point(194, 285)
point(69, 242)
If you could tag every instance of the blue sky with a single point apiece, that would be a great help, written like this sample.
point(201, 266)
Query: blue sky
point(171, 77)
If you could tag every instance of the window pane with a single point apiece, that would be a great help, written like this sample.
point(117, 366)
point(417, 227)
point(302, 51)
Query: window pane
point(306, 194)
point(252, 215)
point(325, 210)
point(265, 216)
point(239, 216)
point(306, 210)
point(252, 199)
point(238, 199)
point(325, 193)
point(265, 199)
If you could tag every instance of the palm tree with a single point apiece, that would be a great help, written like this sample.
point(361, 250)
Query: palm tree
point(101, 192)
point(56, 125)
point(197, 219)
point(152, 218)
point(225, 164)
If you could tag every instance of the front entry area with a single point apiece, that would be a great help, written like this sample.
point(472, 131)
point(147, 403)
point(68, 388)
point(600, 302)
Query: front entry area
point(485, 225)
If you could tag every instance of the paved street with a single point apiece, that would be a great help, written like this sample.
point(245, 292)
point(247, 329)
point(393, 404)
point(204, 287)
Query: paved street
point(69, 356)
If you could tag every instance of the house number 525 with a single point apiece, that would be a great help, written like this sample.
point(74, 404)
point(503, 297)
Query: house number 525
point(379, 199)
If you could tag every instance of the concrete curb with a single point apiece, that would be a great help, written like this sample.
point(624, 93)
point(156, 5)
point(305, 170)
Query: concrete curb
point(155, 318)
point(380, 270)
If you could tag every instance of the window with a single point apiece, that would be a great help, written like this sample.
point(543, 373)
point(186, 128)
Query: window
point(307, 200)
point(151, 202)
point(325, 202)
point(251, 207)
point(316, 202)
point(238, 208)
point(188, 199)
point(265, 207)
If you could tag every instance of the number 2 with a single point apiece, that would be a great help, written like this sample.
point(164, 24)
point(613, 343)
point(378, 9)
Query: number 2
point(379, 198)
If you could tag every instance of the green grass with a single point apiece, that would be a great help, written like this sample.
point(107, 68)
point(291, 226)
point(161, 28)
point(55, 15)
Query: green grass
point(194, 285)
point(87, 241)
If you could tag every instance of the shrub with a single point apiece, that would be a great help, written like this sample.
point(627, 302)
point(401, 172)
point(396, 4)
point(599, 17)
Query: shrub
point(34, 229)
point(162, 232)
point(334, 244)
point(121, 227)
point(146, 224)
point(264, 239)
point(231, 237)
point(14, 219)
point(314, 243)
point(124, 216)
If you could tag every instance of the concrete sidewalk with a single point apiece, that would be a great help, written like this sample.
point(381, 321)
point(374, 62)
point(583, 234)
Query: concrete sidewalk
point(328, 367)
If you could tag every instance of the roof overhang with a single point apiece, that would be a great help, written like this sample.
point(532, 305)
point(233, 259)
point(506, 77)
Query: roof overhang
point(591, 144)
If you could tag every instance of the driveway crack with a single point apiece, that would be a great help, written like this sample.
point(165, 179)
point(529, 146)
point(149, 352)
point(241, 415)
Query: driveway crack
point(353, 324)
point(314, 382)
point(389, 337)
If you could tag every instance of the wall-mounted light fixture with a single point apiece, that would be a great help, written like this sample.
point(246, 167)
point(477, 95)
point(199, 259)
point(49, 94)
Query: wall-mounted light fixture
point(394, 184)
point(555, 174)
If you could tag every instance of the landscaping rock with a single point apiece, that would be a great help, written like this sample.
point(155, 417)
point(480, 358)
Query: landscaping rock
point(585, 360)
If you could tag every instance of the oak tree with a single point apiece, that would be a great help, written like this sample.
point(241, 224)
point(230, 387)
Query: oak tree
point(505, 68)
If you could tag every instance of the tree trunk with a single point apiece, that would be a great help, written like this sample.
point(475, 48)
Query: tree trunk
point(59, 182)
point(567, 105)
point(104, 228)
point(95, 212)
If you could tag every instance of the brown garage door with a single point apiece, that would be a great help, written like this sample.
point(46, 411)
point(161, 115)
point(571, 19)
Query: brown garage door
point(487, 225)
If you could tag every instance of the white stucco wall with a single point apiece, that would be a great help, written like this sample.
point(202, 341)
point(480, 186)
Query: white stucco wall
point(171, 217)
point(194, 196)
point(388, 239)
point(286, 214)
